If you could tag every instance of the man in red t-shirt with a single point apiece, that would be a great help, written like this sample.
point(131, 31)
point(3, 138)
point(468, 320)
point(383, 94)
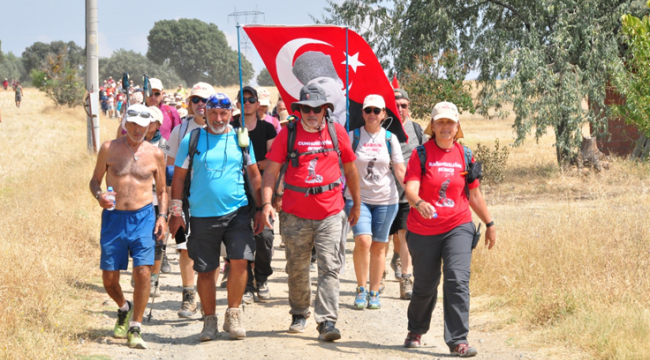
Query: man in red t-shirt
point(312, 207)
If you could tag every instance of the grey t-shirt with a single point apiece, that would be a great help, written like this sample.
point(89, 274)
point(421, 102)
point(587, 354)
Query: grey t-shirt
point(376, 181)
point(407, 149)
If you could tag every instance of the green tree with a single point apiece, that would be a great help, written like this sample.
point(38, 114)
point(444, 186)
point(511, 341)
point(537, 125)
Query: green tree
point(264, 78)
point(633, 81)
point(34, 56)
point(137, 65)
point(12, 67)
point(552, 54)
point(197, 51)
point(437, 79)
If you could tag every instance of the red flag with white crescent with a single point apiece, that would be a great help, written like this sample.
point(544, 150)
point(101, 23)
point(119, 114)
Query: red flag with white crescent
point(300, 55)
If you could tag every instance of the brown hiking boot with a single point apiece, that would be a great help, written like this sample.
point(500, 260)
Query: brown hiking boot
point(232, 324)
point(188, 307)
point(210, 328)
point(406, 286)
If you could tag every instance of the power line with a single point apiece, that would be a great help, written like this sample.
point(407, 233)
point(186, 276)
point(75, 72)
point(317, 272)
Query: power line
point(244, 42)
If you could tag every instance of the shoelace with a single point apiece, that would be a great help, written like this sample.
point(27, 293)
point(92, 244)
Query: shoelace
point(462, 349)
point(121, 317)
point(135, 330)
point(187, 299)
point(234, 319)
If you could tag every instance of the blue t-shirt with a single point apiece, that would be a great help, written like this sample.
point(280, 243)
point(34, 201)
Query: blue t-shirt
point(217, 186)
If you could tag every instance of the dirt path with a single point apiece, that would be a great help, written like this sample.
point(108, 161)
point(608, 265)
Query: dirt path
point(365, 334)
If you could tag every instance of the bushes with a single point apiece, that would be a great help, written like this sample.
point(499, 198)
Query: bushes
point(494, 162)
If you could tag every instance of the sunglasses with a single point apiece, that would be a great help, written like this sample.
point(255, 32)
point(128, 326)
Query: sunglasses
point(251, 100)
point(156, 94)
point(404, 106)
point(370, 110)
point(214, 103)
point(143, 114)
point(307, 109)
point(196, 100)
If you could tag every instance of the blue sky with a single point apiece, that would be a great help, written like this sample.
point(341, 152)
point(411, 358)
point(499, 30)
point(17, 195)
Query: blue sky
point(126, 24)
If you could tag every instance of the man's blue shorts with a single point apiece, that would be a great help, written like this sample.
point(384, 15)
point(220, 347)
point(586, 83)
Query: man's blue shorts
point(127, 233)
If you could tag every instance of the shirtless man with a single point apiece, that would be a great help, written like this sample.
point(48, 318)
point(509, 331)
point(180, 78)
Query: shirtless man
point(131, 165)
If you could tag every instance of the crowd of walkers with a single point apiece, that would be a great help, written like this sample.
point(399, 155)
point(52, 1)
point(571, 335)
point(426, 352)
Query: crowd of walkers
point(16, 88)
point(215, 174)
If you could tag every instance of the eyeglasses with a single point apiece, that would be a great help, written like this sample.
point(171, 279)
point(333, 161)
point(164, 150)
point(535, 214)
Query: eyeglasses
point(370, 110)
point(142, 114)
point(196, 100)
point(404, 106)
point(251, 100)
point(307, 109)
point(215, 103)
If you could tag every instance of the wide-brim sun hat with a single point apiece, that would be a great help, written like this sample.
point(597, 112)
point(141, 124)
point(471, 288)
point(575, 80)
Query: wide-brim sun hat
point(444, 110)
point(312, 96)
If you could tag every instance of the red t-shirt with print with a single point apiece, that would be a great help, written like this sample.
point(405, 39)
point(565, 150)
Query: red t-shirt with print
point(442, 186)
point(313, 170)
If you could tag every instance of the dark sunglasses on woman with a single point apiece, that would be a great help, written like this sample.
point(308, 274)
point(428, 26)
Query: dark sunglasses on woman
point(196, 100)
point(369, 110)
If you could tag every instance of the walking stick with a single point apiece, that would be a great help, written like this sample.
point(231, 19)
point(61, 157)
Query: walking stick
point(153, 298)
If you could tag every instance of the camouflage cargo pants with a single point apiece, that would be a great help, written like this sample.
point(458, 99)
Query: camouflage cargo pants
point(299, 236)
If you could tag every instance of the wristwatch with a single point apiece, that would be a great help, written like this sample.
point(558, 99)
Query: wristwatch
point(490, 224)
point(163, 215)
point(419, 202)
point(99, 192)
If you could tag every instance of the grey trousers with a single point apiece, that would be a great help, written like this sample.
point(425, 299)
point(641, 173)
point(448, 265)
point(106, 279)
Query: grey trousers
point(452, 250)
point(299, 236)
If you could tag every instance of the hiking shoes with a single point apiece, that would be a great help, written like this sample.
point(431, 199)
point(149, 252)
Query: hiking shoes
point(406, 286)
point(328, 332)
point(298, 324)
point(210, 328)
point(122, 324)
point(464, 350)
point(248, 297)
point(233, 325)
point(263, 293)
point(188, 306)
point(412, 340)
point(361, 300)
point(373, 300)
point(396, 265)
point(165, 268)
point(226, 272)
point(134, 338)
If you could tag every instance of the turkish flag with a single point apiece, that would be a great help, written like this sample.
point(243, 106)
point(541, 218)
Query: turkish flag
point(299, 55)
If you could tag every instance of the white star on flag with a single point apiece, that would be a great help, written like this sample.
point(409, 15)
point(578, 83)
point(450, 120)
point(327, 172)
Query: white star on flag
point(353, 61)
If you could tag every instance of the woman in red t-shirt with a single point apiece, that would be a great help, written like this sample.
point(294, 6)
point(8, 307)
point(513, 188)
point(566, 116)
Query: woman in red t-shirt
point(441, 231)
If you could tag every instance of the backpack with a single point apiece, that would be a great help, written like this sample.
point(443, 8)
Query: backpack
point(293, 155)
point(418, 131)
point(357, 138)
point(194, 142)
point(467, 157)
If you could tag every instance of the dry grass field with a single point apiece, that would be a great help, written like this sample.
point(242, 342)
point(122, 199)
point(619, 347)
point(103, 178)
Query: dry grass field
point(570, 271)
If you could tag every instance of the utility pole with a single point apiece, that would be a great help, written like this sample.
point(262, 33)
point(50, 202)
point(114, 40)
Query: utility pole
point(92, 76)
point(245, 43)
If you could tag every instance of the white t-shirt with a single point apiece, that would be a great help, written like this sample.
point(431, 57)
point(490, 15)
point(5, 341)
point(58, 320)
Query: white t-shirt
point(179, 132)
point(376, 180)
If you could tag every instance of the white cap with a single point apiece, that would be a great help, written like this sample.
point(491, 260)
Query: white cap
point(137, 118)
point(445, 110)
point(373, 100)
point(263, 96)
point(202, 90)
point(156, 114)
point(156, 84)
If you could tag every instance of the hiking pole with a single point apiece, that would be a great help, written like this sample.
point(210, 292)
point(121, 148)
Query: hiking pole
point(153, 298)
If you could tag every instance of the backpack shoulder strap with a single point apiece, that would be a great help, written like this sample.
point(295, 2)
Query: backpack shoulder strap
point(194, 142)
point(422, 154)
point(389, 136)
point(418, 131)
point(467, 154)
point(331, 127)
point(356, 139)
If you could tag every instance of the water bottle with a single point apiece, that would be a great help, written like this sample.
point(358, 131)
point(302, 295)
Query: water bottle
point(111, 197)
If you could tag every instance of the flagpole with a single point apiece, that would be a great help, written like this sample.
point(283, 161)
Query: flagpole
point(347, 86)
point(241, 81)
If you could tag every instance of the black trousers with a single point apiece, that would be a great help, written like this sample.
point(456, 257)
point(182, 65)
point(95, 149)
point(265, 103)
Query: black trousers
point(263, 258)
point(453, 252)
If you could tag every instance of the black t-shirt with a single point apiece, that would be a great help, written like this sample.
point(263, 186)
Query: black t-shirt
point(262, 133)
